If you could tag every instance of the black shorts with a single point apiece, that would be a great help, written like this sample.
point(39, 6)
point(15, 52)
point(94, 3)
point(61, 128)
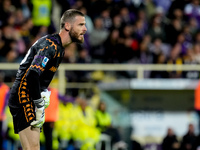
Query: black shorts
point(21, 108)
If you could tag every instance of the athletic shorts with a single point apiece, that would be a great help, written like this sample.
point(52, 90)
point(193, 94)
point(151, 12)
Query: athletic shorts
point(21, 108)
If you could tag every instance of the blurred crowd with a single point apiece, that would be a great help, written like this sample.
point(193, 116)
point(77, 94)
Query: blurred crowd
point(189, 141)
point(119, 31)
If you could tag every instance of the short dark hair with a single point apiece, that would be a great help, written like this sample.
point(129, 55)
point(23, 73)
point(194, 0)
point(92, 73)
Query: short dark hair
point(68, 16)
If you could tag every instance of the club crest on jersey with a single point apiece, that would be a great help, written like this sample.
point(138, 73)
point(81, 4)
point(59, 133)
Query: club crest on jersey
point(44, 62)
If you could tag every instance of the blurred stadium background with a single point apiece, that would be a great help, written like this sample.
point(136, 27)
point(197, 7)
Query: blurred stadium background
point(140, 57)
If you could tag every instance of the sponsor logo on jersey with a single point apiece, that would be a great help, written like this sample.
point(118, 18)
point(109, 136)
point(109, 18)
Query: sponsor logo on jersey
point(44, 62)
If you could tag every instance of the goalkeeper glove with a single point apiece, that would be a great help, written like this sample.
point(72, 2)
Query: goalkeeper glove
point(46, 96)
point(40, 114)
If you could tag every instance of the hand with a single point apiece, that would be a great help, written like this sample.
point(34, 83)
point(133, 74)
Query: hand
point(40, 114)
point(46, 96)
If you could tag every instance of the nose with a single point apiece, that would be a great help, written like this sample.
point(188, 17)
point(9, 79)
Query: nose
point(85, 29)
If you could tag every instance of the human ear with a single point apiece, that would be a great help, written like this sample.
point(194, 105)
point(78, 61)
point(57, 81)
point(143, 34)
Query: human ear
point(67, 26)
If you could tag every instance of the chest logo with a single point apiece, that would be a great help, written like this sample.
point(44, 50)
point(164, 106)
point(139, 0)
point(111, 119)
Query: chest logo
point(44, 62)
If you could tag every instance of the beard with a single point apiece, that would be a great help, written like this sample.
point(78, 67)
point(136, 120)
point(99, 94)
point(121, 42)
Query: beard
point(75, 36)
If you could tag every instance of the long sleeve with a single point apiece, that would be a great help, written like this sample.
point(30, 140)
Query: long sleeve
point(34, 85)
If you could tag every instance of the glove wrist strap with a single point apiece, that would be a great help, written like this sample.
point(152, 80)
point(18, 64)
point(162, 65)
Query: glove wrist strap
point(39, 102)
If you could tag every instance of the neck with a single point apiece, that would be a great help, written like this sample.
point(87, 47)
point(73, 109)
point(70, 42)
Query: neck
point(65, 38)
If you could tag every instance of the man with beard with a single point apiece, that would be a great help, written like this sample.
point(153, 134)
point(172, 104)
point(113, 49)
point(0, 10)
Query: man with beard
point(29, 95)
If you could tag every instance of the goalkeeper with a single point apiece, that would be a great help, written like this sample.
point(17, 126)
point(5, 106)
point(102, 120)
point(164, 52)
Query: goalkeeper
point(29, 95)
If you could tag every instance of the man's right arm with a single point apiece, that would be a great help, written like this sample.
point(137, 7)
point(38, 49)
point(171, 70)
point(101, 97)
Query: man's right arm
point(36, 68)
point(34, 89)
